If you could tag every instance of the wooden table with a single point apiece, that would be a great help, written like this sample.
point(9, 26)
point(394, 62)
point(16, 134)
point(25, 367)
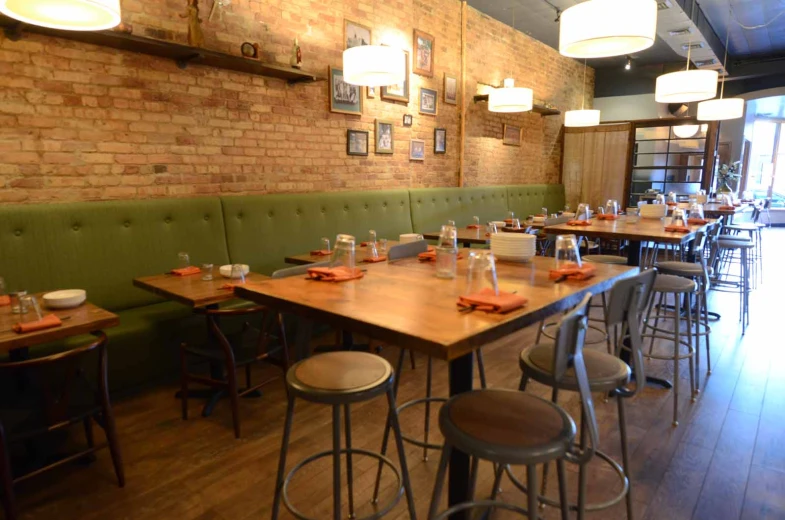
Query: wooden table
point(192, 290)
point(466, 236)
point(84, 319)
point(307, 258)
point(712, 210)
point(404, 304)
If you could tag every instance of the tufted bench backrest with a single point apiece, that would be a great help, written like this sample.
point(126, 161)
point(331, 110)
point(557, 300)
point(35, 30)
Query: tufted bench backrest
point(433, 207)
point(529, 199)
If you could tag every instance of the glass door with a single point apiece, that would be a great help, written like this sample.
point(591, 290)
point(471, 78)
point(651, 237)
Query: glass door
point(766, 176)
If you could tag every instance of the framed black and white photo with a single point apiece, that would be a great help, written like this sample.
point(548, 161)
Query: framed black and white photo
point(370, 92)
point(512, 135)
point(424, 45)
point(355, 34)
point(356, 142)
point(416, 150)
point(344, 98)
point(384, 134)
point(407, 120)
point(428, 101)
point(399, 92)
point(440, 140)
point(450, 89)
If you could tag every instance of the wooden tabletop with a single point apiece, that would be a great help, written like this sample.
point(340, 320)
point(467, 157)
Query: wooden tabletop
point(712, 209)
point(80, 320)
point(307, 258)
point(192, 290)
point(465, 236)
point(404, 304)
point(644, 229)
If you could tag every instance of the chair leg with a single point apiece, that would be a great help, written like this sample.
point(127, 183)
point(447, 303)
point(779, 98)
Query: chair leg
point(625, 455)
point(287, 430)
point(6, 481)
point(396, 427)
point(284, 342)
point(523, 383)
point(441, 475)
point(349, 472)
point(248, 376)
point(475, 467)
point(387, 426)
point(336, 462)
point(234, 398)
point(497, 481)
point(546, 466)
point(563, 500)
point(183, 382)
point(676, 350)
point(531, 485)
point(411, 359)
point(88, 431)
point(428, 381)
point(114, 444)
point(582, 471)
point(605, 317)
point(481, 369)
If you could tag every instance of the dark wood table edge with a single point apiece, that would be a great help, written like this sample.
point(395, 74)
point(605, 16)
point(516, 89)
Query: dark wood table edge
point(57, 333)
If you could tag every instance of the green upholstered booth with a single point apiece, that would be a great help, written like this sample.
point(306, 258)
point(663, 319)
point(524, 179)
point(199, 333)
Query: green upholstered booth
point(529, 199)
point(433, 207)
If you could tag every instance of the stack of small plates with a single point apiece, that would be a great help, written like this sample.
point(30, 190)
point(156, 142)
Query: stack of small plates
point(513, 247)
point(653, 210)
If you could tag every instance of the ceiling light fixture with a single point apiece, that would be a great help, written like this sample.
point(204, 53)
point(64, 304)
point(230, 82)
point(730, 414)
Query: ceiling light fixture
point(374, 66)
point(722, 109)
point(582, 117)
point(686, 86)
point(603, 28)
point(69, 15)
point(510, 98)
point(685, 131)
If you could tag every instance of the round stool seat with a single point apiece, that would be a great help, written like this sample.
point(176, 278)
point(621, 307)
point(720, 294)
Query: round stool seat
point(688, 269)
point(737, 238)
point(667, 283)
point(735, 244)
point(605, 259)
point(340, 377)
point(506, 426)
point(742, 227)
point(606, 372)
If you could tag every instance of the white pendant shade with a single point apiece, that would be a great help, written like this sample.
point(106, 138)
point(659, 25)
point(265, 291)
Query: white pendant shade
point(70, 15)
point(574, 118)
point(686, 86)
point(374, 66)
point(685, 131)
point(602, 28)
point(510, 98)
point(720, 109)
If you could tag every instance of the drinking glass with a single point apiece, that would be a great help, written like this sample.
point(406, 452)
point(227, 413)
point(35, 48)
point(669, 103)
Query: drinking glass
point(238, 273)
point(28, 302)
point(490, 228)
point(451, 223)
point(476, 221)
point(584, 212)
point(17, 303)
point(207, 272)
point(448, 237)
point(447, 253)
point(600, 210)
point(544, 212)
point(325, 244)
point(2, 286)
point(612, 207)
point(510, 215)
point(481, 273)
point(659, 199)
point(371, 236)
point(183, 260)
point(696, 210)
point(516, 224)
point(382, 246)
point(672, 197)
point(371, 251)
point(567, 254)
point(343, 255)
point(566, 208)
point(678, 218)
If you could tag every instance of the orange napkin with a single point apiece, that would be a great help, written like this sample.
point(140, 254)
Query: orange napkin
point(230, 286)
point(334, 274)
point(737, 204)
point(321, 252)
point(374, 260)
point(671, 204)
point(47, 322)
point(697, 221)
point(677, 229)
point(486, 300)
point(573, 272)
point(473, 226)
point(186, 271)
point(727, 208)
point(430, 256)
point(579, 222)
point(5, 300)
point(602, 216)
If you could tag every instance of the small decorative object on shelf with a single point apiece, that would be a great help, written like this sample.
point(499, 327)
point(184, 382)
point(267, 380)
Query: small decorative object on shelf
point(407, 120)
point(727, 174)
point(195, 35)
point(126, 28)
point(296, 59)
point(250, 50)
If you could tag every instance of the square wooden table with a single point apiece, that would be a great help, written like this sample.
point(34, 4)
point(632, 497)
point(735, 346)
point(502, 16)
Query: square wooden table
point(307, 258)
point(192, 290)
point(712, 210)
point(466, 236)
point(404, 304)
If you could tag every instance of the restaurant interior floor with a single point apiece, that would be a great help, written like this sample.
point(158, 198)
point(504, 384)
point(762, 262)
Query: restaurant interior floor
point(725, 460)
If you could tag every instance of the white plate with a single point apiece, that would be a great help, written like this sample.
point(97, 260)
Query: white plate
point(226, 270)
point(65, 299)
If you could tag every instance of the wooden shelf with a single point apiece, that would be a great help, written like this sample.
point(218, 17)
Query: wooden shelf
point(537, 109)
point(183, 55)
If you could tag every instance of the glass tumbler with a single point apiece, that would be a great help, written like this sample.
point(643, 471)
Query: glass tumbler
point(516, 224)
point(325, 244)
point(28, 302)
point(17, 302)
point(238, 273)
point(371, 236)
point(207, 272)
point(446, 261)
point(183, 260)
point(371, 252)
point(678, 218)
point(567, 253)
point(490, 228)
point(476, 221)
point(612, 207)
point(481, 274)
point(510, 215)
point(696, 210)
point(343, 256)
point(584, 212)
point(382, 246)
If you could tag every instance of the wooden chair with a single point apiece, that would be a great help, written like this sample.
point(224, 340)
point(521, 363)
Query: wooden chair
point(57, 394)
point(233, 355)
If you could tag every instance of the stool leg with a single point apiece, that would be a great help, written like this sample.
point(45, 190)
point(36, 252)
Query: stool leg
point(582, 471)
point(438, 484)
point(411, 359)
point(396, 427)
point(625, 454)
point(539, 332)
point(531, 485)
point(287, 430)
point(697, 342)
point(523, 383)
point(386, 436)
point(605, 318)
point(497, 481)
point(690, 349)
point(676, 350)
point(563, 500)
point(349, 474)
point(745, 292)
point(336, 462)
point(481, 369)
point(475, 467)
point(546, 466)
point(707, 327)
point(428, 381)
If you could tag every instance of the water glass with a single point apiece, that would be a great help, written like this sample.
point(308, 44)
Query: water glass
point(566, 208)
point(325, 244)
point(17, 303)
point(451, 223)
point(516, 224)
point(183, 260)
point(207, 272)
point(482, 273)
point(567, 254)
point(382, 246)
point(696, 210)
point(371, 236)
point(672, 197)
point(659, 199)
point(544, 211)
point(448, 237)
point(371, 252)
point(28, 302)
point(490, 228)
point(238, 273)
point(476, 221)
point(343, 255)
point(678, 218)
point(612, 207)
point(600, 210)
point(2, 286)
point(446, 261)
point(584, 212)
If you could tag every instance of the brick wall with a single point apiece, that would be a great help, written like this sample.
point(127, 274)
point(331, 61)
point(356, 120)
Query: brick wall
point(79, 122)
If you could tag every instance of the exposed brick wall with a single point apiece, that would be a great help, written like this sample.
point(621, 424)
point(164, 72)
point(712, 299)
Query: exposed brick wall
point(79, 122)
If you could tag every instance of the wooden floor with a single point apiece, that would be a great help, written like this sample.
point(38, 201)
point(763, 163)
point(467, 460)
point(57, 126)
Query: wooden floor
point(725, 461)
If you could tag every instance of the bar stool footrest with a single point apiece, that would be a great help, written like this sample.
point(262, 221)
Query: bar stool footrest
point(413, 402)
point(485, 504)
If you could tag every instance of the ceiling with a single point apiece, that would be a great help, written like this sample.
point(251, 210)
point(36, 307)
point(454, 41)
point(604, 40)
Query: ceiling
point(745, 42)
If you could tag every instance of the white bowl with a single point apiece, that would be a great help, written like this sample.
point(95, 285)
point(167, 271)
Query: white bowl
point(568, 214)
point(653, 210)
point(226, 270)
point(499, 223)
point(65, 299)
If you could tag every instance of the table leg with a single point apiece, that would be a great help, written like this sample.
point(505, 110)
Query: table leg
point(461, 373)
point(302, 339)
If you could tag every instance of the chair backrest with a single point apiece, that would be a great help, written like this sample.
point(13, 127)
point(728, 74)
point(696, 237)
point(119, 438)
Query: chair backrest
point(568, 353)
point(407, 250)
point(297, 270)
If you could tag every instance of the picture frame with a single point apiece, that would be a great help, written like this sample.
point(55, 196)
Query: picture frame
point(439, 140)
point(416, 150)
point(512, 135)
point(428, 101)
point(424, 46)
point(408, 119)
point(398, 92)
point(344, 98)
point(355, 34)
point(384, 136)
point(450, 89)
point(357, 142)
point(370, 92)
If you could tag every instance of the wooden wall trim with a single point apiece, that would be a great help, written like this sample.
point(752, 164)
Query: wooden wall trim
point(601, 128)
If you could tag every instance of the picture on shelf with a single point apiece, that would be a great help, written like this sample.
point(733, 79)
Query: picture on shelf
point(512, 135)
point(424, 46)
point(417, 150)
point(356, 142)
point(399, 92)
point(440, 140)
point(384, 131)
point(355, 34)
point(450, 89)
point(428, 101)
point(344, 98)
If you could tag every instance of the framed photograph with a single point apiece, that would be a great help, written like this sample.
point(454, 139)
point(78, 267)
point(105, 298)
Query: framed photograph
point(370, 92)
point(450, 89)
point(439, 140)
point(355, 34)
point(384, 132)
point(407, 120)
point(428, 101)
point(344, 98)
point(512, 135)
point(398, 92)
point(416, 150)
point(356, 142)
point(424, 47)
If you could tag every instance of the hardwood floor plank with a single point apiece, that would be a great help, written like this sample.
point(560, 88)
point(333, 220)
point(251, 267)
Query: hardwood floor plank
point(678, 493)
point(765, 499)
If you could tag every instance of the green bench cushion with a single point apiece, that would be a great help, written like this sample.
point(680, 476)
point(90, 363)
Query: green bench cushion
point(529, 199)
point(433, 207)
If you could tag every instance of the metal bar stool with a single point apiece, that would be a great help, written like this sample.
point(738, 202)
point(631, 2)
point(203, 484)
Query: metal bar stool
point(607, 373)
point(340, 379)
point(726, 281)
point(508, 427)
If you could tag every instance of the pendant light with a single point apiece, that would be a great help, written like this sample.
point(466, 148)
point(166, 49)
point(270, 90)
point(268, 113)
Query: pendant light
point(69, 15)
point(509, 98)
point(686, 86)
point(722, 109)
point(603, 28)
point(374, 66)
point(582, 117)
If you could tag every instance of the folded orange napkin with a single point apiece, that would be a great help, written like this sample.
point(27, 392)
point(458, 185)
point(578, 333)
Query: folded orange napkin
point(727, 208)
point(579, 222)
point(473, 226)
point(47, 322)
point(230, 285)
point(5, 300)
point(671, 204)
point(697, 221)
point(321, 252)
point(737, 204)
point(430, 256)
point(374, 260)
point(573, 272)
point(602, 216)
point(334, 274)
point(186, 271)
point(486, 300)
point(677, 229)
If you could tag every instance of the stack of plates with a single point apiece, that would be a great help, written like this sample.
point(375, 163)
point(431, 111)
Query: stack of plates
point(653, 210)
point(513, 247)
